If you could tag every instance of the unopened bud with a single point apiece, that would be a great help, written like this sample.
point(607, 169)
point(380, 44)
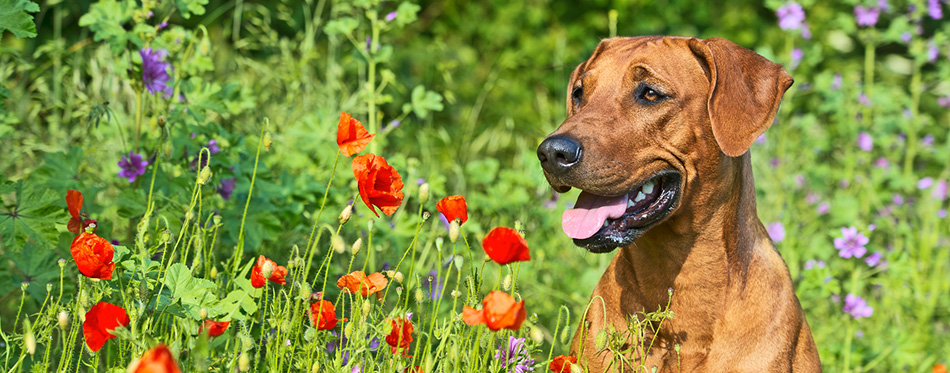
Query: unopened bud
point(348, 330)
point(214, 272)
point(456, 293)
point(536, 335)
point(345, 214)
point(166, 235)
point(24, 285)
point(454, 231)
point(244, 362)
point(204, 175)
point(398, 277)
point(203, 313)
point(439, 241)
point(419, 296)
point(268, 141)
point(161, 121)
point(357, 245)
point(576, 368)
point(305, 290)
point(63, 319)
point(336, 242)
point(29, 340)
point(506, 283)
point(424, 193)
point(676, 348)
point(565, 334)
point(267, 269)
point(62, 263)
point(216, 219)
point(367, 307)
point(315, 368)
point(49, 287)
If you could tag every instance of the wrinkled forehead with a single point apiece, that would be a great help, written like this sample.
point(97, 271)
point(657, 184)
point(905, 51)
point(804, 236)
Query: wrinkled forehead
point(669, 58)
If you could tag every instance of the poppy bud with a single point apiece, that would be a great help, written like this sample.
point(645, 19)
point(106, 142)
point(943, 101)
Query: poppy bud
point(369, 225)
point(161, 121)
point(290, 264)
point(439, 241)
point(49, 287)
point(676, 348)
point(216, 219)
point(419, 296)
point(425, 215)
point(367, 307)
point(29, 340)
point(315, 368)
point(600, 340)
point(565, 334)
point(424, 193)
point(62, 263)
point(63, 319)
point(348, 330)
point(214, 272)
point(506, 283)
point(536, 335)
point(305, 291)
point(267, 269)
point(454, 231)
point(244, 363)
point(576, 368)
point(166, 235)
point(356, 245)
point(345, 214)
point(456, 293)
point(204, 175)
point(268, 141)
point(336, 242)
point(203, 313)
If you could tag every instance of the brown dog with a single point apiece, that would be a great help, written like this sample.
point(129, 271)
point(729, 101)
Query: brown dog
point(657, 139)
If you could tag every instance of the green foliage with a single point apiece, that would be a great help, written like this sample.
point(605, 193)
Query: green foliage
point(106, 19)
point(15, 17)
point(28, 215)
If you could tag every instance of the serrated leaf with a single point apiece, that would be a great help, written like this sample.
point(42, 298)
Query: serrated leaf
point(15, 17)
point(340, 26)
point(28, 216)
point(424, 101)
point(189, 7)
point(406, 14)
point(105, 19)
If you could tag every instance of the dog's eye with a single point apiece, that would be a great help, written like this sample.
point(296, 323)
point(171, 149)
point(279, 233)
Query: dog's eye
point(577, 95)
point(648, 95)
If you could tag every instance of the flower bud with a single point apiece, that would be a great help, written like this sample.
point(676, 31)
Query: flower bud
point(216, 219)
point(426, 215)
point(536, 335)
point(519, 226)
point(357, 245)
point(600, 340)
point(204, 175)
point(367, 307)
point(424, 193)
point(456, 293)
point(398, 277)
point(576, 368)
point(214, 273)
point(419, 296)
point(345, 214)
point(348, 330)
point(305, 290)
point(267, 140)
point(506, 283)
point(336, 242)
point(29, 340)
point(315, 368)
point(49, 287)
point(454, 231)
point(565, 334)
point(244, 362)
point(63, 319)
point(166, 235)
point(203, 313)
point(267, 269)
point(62, 263)
point(161, 121)
point(439, 241)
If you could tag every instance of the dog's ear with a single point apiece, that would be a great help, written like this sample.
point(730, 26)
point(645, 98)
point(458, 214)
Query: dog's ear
point(744, 92)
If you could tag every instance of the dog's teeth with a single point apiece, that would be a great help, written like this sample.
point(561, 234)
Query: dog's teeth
point(648, 187)
point(640, 196)
point(630, 202)
point(606, 224)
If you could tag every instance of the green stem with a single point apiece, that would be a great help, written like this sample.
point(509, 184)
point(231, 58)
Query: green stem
point(240, 249)
point(915, 89)
point(316, 220)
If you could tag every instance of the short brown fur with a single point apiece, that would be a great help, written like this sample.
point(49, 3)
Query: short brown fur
point(734, 305)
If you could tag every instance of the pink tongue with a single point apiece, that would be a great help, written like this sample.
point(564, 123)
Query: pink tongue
point(589, 214)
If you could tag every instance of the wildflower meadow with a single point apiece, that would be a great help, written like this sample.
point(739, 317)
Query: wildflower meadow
point(353, 186)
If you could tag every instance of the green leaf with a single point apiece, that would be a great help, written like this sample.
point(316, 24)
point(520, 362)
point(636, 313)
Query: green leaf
point(424, 101)
point(28, 215)
point(189, 7)
point(15, 16)
point(105, 19)
point(340, 26)
point(406, 14)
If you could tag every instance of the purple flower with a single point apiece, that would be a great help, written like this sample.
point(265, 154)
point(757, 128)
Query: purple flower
point(812, 263)
point(932, 52)
point(393, 124)
point(226, 188)
point(925, 183)
point(797, 55)
point(939, 191)
point(515, 356)
point(433, 284)
point(864, 100)
point(776, 231)
point(369, 43)
point(790, 16)
point(942, 213)
point(857, 306)
point(866, 16)
point(897, 199)
point(155, 71)
point(132, 166)
point(836, 82)
point(927, 141)
point(934, 10)
point(115, 242)
point(865, 141)
point(812, 198)
point(806, 31)
point(882, 162)
point(391, 16)
point(163, 25)
point(883, 5)
point(944, 101)
point(874, 259)
point(906, 36)
point(851, 243)
point(213, 146)
point(823, 208)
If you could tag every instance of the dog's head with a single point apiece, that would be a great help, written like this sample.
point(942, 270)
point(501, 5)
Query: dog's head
point(645, 117)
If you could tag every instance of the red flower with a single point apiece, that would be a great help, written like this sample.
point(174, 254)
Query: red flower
point(453, 207)
point(940, 368)
point(416, 369)
point(100, 320)
point(499, 311)
point(562, 364)
point(93, 255)
point(359, 283)
point(379, 183)
point(157, 360)
point(504, 245)
point(351, 136)
point(401, 334)
point(214, 328)
point(323, 315)
point(257, 273)
point(74, 201)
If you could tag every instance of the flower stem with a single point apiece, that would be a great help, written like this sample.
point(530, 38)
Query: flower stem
point(316, 220)
point(240, 248)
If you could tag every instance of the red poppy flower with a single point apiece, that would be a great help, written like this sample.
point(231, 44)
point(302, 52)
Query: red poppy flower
point(379, 183)
point(359, 283)
point(214, 328)
point(276, 275)
point(940, 368)
point(100, 320)
point(453, 207)
point(323, 315)
point(499, 311)
point(562, 364)
point(504, 245)
point(93, 255)
point(401, 334)
point(74, 202)
point(351, 136)
point(416, 369)
point(157, 360)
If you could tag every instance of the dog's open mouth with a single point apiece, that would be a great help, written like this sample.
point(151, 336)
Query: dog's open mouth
point(602, 224)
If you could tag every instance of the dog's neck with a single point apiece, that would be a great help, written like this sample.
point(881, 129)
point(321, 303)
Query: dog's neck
point(700, 257)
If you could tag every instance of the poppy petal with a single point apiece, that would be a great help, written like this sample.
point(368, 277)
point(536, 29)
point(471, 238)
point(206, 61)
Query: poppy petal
point(472, 316)
point(351, 136)
point(504, 245)
point(157, 360)
point(453, 207)
point(74, 202)
point(100, 320)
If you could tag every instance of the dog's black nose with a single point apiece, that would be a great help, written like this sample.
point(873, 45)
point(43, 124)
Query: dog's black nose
point(558, 153)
